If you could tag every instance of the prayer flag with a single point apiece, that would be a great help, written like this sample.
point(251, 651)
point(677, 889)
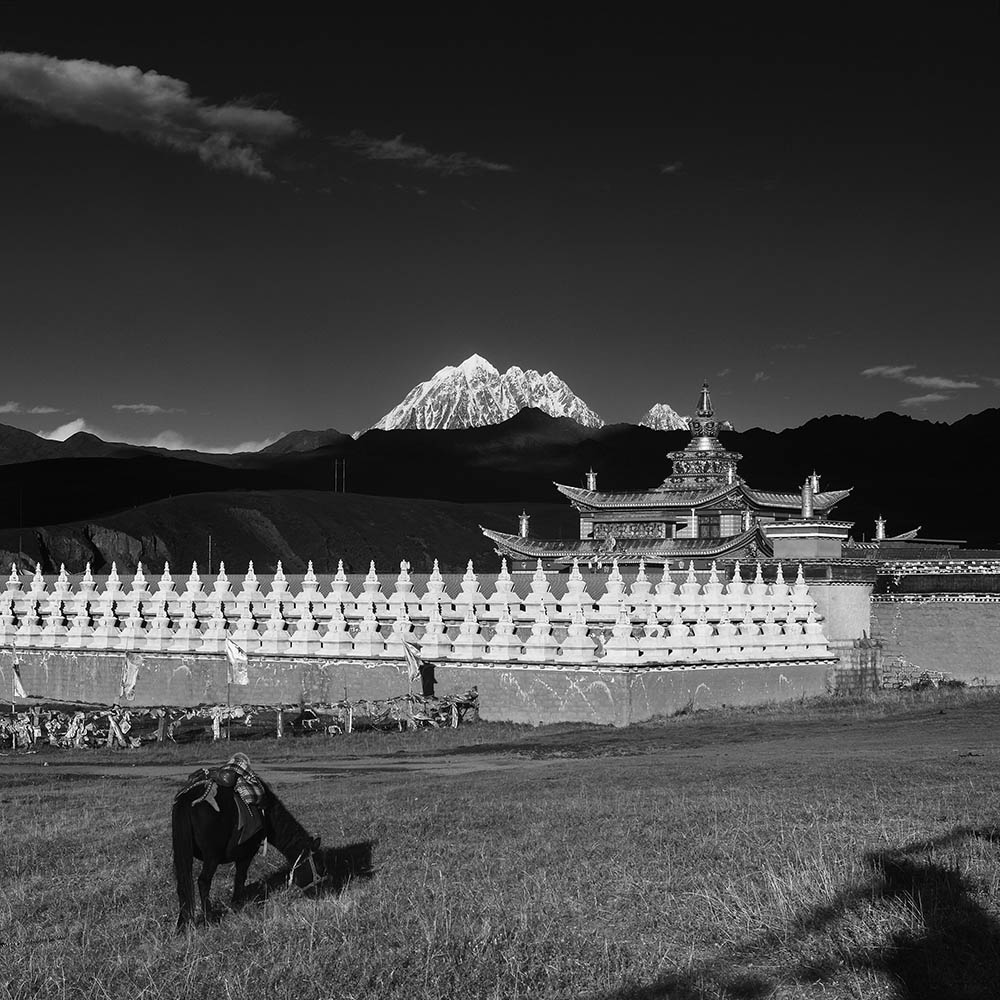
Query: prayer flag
point(130, 674)
point(237, 663)
point(413, 660)
point(19, 691)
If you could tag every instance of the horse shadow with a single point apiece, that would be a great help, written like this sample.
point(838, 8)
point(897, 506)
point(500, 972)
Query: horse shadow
point(954, 955)
point(340, 867)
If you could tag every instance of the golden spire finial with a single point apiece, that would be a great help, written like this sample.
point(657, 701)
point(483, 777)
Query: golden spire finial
point(705, 402)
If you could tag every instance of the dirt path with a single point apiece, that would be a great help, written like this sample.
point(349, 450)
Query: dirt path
point(278, 770)
point(957, 731)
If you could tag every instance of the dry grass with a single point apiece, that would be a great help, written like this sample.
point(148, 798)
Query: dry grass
point(851, 855)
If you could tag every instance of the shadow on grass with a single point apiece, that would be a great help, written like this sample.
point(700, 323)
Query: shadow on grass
point(341, 865)
point(954, 953)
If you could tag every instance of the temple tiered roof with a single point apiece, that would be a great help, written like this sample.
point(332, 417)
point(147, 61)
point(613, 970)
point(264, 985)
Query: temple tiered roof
point(659, 497)
point(686, 499)
point(628, 550)
point(821, 501)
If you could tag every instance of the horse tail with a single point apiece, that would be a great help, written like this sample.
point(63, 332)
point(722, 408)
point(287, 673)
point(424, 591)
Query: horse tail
point(183, 861)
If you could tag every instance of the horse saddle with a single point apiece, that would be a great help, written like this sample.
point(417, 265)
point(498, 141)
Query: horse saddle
point(249, 816)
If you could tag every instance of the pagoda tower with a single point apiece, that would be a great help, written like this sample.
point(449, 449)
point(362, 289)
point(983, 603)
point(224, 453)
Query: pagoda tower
point(704, 462)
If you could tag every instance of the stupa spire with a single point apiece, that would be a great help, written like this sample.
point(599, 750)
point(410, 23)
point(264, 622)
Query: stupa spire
point(705, 463)
point(705, 402)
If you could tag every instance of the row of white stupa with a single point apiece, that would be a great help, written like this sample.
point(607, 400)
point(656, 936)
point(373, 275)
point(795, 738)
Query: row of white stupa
point(719, 600)
point(735, 621)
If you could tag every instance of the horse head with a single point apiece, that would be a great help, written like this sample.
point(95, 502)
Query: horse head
point(309, 866)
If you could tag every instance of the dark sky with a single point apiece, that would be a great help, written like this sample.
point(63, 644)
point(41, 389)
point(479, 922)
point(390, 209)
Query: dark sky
point(242, 241)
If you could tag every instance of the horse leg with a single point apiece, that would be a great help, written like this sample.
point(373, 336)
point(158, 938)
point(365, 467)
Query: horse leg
point(208, 869)
point(240, 869)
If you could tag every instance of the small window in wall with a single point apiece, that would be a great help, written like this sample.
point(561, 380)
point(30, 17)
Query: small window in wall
point(708, 526)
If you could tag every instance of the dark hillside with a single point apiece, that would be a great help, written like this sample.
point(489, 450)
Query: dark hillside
point(293, 526)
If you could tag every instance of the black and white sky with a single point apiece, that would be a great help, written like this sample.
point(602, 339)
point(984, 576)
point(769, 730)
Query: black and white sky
point(219, 229)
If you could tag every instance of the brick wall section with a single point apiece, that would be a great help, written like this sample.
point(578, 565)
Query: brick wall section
point(858, 669)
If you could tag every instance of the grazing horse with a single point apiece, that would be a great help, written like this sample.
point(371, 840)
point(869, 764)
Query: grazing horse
point(199, 831)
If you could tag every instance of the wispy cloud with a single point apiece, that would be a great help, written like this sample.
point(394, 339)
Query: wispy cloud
point(145, 105)
point(671, 168)
point(760, 376)
point(724, 373)
point(11, 406)
point(168, 439)
point(926, 400)
point(888, 371)
point(788, 347)
point(147, 409)
point(900, 372)
point(398, 150)
point(937, 382)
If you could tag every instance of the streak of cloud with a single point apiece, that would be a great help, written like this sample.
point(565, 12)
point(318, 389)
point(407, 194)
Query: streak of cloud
point(887, 371)
point(398, 150)
point(925, 400)
point(146, 409)
point(671, 168)
point(12, 406)
point(921, 381)
point(146, 105)
point(937, 382)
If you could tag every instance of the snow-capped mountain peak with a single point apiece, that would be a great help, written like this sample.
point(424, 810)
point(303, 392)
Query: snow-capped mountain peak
point(662, 417)
point(472, 364)
point(474, 394)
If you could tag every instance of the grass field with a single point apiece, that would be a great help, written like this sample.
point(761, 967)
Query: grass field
point(832, 849)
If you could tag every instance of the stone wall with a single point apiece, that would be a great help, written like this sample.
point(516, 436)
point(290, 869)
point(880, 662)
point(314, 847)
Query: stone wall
point(528, 692)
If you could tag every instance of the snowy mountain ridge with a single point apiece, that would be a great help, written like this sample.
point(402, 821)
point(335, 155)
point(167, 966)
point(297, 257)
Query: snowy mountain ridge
point(474, 394)
point(662, 417)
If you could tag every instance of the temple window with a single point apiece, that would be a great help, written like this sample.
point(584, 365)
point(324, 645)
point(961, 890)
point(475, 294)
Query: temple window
point(709, 526)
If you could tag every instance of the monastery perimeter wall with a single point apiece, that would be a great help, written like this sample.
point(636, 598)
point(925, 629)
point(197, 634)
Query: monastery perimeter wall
point(532, 693)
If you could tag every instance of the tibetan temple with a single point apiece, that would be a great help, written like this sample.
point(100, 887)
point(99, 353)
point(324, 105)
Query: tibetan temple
point(702, 511)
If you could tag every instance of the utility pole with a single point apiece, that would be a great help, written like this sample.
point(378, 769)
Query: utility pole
point(340, 475)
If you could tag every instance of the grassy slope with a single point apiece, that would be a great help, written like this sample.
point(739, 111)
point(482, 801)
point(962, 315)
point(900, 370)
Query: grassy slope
point(738, 863)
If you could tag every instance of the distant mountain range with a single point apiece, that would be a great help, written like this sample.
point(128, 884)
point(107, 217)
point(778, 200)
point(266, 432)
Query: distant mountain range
point(913, 472)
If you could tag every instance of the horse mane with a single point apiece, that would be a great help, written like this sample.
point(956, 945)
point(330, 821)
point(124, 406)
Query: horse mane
point(283, 830)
